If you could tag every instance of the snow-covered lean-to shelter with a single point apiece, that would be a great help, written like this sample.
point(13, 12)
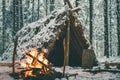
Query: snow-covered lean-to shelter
point(51, 33)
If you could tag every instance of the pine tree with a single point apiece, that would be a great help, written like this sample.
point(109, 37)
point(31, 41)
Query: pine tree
point(110, 28)
point(77, 3)
point(46, 7)
point(15, 16)
point(21, 14)
point(33, 11)
point(52, 5)
point(38, 10)
point(118, 24)
point(106, 45)
point(4, 27)
point(91, 20)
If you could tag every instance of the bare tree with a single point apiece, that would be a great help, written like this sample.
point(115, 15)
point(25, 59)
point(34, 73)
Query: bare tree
point(46, 6)
point(15, 16)
point(38, 10)
point(110, 28)
point(91, 20)
point(77, 3)
point(4, 27)
point(21, 14)
point(106, 45)
point(52, 5)
point(33, 11)
point(118, 24)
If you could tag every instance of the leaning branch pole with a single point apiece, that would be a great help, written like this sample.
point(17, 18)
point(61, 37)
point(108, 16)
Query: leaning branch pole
point(14, 53)
point(68, 42)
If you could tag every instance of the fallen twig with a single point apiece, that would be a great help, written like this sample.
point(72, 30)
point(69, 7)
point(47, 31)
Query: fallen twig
point(6, 64)
point(102, 70)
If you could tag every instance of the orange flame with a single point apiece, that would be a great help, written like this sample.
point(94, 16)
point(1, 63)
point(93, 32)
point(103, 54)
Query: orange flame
point(33, 63)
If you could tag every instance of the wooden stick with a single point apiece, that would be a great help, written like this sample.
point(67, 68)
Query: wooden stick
point(14, 53)
point(64, 45)
point(68, 42)
point(6, 64)
point(69, 4)
point(103, 70)
point(75, 9)
point(35, 59)
point(69, 75)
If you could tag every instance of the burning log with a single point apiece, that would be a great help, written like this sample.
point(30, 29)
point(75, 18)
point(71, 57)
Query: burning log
point(40, 62)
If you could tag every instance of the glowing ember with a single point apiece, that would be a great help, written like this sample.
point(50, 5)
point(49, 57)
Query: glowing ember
point(32, 62)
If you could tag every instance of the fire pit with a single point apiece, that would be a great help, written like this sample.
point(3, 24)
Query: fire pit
point(35, 60)
point(35, 66)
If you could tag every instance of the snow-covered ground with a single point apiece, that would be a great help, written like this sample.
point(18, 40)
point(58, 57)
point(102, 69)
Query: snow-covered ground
point(110, 59)
point(81, 75)
point(87, 75)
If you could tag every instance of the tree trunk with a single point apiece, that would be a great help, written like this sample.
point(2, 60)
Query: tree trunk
point(46, 7)
point(77, 3)
point(38, 9)
point(14, 20)
point(21, 15)
point(110, 29)
point(106, 45)
point(15, 16)
point(28, 3)
point(52, 5)
point(27, 15)
point(33, 11)
point(3, 32)
point(14, 54)
point(91, 13)
point(118, 24)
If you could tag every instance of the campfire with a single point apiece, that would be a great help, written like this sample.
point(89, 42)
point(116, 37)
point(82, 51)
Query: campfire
point(31, 63)
point(34, 65)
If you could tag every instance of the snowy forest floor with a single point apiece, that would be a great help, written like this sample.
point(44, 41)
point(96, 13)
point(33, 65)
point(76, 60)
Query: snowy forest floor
point(5, 71)
point(82, 74)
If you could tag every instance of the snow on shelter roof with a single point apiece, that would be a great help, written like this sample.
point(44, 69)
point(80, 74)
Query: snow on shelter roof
point(42, 33)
